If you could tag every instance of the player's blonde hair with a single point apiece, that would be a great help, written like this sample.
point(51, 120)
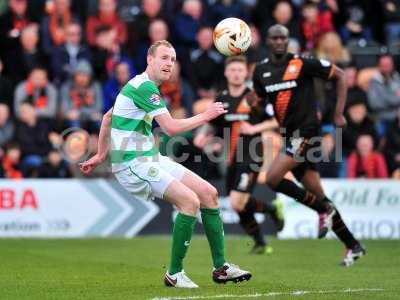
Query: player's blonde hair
point(236, 58)
point(153, 48)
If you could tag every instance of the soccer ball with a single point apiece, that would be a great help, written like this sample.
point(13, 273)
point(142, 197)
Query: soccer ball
point(232, 36)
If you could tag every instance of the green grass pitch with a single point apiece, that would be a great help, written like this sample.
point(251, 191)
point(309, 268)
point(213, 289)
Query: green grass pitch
point(134, 268)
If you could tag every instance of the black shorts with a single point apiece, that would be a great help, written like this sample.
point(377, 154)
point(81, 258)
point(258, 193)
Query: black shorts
point(305, 150)
point(241, 177)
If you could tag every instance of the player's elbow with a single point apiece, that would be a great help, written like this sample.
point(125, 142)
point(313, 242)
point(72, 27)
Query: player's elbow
point(170, 130)
point(167, 124)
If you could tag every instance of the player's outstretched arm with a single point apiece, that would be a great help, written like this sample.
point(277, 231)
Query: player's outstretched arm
point(102, 147)
point(341, 89)
point(173, 126)
point(249, 129)
point(203, 135)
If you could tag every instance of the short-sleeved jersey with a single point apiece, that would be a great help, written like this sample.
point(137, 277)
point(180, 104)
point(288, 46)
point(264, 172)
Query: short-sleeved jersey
point(228, 125)
point(289, 87)
point(138, 102)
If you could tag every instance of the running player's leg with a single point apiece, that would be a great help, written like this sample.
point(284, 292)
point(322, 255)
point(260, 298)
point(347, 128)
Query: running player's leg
point(282, 164)
point(240, 182)
point(312, 182)
point(242, 203)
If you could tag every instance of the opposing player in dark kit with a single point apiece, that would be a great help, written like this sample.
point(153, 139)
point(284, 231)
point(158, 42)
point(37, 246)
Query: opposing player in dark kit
point(286, 81)
point(241, 127)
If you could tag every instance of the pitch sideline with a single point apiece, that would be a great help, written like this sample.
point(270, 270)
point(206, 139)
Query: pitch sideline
point(272, 294)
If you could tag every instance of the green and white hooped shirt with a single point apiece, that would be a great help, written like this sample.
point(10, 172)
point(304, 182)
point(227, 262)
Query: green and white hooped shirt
point(138, 102)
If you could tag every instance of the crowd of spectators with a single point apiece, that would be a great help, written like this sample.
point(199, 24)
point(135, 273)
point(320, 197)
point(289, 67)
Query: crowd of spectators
point(62, 62)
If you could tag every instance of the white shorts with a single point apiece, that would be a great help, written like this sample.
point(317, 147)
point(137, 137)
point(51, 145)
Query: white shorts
point(149, 179)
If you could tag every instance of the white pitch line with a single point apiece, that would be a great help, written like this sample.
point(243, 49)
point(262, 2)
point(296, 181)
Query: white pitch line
point(271, 294)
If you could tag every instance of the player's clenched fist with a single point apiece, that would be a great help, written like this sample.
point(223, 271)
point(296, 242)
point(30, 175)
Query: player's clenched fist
point(214, 110)
point(88, 166)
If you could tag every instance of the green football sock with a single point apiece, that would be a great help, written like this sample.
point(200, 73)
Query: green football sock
point(214, 230)
point(182, 234)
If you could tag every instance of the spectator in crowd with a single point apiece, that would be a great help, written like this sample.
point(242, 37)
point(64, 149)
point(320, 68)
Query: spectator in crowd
point(6, 126)
point(391, 13)
point(12, 23)
point(187, 24)
point(356, 17)
point(82, 99)
point(139, 28)
point(283, 14)
point(330, 47)
point(65, 57)
point(392, 147)
point(107, 53)
point(158, 30)
point(54, 26)
point(54, 166)
point(123, 72)
point(315, 23)
point(329, 166)
point(11, 162)
point(32, 135)
point(227, 9)
point(384, 92)
point(206, 64)
point(365, 162)
point(39, 92)
point(358, 123)
point(177, 92)
point(257, 50)
point(25, 56)
point(6, 89)
point(106, 16)
point(354, 91)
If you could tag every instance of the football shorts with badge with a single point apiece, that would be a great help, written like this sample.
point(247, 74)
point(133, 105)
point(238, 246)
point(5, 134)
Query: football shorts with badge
point(148, 179)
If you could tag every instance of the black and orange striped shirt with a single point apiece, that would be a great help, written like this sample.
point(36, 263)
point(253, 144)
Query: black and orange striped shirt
point(227, 126)
point(289, 87)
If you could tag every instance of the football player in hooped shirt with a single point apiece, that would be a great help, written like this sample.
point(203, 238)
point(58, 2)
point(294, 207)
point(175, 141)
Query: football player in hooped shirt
point(286, 81)
point(145, 173)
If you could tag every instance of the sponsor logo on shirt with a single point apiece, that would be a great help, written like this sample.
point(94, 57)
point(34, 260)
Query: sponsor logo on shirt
point(281, 86)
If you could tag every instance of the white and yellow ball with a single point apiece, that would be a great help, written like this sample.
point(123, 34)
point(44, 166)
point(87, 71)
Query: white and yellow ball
point(232, 36)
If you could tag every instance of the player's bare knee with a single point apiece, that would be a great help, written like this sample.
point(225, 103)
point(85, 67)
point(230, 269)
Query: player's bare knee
point(213, 194)
point(237, 205)
point(190, 205)
point(193, 205)
point(209, 197)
